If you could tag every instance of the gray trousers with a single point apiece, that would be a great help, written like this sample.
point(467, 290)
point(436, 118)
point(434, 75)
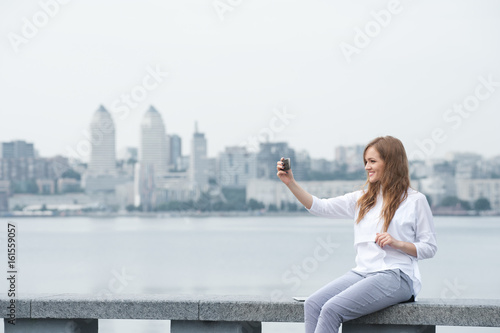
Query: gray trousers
point(354, 295)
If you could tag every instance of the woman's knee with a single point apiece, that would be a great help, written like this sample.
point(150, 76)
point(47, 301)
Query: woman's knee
point(333, 311)
point(311, 305)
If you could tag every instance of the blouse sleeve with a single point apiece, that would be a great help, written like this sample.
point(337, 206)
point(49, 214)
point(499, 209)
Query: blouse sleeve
point(425, 238)
point(339, 207)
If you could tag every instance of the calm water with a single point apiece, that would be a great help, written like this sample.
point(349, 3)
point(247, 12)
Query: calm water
point(233, 255)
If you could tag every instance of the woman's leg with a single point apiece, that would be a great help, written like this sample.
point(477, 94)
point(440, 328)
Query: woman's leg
point(314, 303)
point(374, 292)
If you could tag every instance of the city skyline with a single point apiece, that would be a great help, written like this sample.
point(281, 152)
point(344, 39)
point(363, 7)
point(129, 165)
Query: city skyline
point(335, 157)
point(456, 185)
point(316, 75)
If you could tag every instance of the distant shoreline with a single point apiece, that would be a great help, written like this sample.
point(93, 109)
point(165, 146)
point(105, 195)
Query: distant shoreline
point(207, 214)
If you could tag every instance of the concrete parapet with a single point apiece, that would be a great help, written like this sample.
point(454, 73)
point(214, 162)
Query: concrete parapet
point(232, 313)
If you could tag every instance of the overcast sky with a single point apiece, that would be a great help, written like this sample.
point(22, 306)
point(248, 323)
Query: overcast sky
point(336, 73)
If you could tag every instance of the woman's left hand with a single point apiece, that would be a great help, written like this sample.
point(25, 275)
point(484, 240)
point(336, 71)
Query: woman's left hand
point(384, 238)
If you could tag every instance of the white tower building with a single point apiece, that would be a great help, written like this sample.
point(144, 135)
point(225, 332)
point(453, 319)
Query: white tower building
point(153, 151)
point(102, 137)
point(153, 159)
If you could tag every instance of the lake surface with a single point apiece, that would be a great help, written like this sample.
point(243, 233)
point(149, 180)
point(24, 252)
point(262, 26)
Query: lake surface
point(288, 256)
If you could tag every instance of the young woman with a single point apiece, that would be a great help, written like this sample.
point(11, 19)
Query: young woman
point(393, 228)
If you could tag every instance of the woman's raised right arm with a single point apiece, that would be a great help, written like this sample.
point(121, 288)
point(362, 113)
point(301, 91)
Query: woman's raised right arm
point(343, 206)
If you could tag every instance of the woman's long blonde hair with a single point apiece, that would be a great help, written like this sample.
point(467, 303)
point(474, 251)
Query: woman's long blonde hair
point(394, 182)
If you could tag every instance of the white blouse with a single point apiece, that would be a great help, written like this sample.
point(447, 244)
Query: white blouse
point(412, 222)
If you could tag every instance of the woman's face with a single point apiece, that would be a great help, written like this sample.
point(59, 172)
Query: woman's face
point(374, 165)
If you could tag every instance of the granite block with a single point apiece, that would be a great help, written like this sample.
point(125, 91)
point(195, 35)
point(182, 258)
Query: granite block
point(123, 307)
point(250, 308)
point(457, 312)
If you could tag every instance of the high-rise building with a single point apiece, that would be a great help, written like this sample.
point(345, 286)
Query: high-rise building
point(17, 149)
point(102, 134)
point(101, 175)
point(236, 167)
point(153, 159)
point(18, 169)
point(198, 164)
point(175, 151)
point(153, 150)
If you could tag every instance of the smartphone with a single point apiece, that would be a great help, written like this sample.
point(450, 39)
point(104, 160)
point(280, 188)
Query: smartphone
point(286, 164)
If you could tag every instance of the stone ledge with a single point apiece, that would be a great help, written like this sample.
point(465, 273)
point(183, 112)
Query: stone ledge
point(460, 312)
point(453, 312)
point(250, 308)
